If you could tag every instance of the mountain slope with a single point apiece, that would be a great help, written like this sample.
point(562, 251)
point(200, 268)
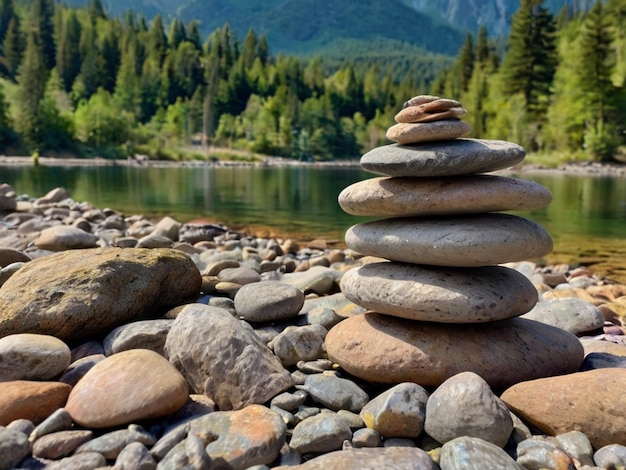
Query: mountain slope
point(495, 15)
point(301, 26)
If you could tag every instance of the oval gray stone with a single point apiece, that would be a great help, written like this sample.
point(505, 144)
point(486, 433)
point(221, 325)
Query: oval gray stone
point(406, 458)
point(574, 315)
point(324, 432)
point(144, 334)
point(14, 446)
point(411, 133)
point(455, 157)
point(464, 405)
point(30, 356)
point(409, 197)
point(268, 301)
point(464, 241)
point(448, 295)
point(472, 453)
point(384, 349)
point(335, 392)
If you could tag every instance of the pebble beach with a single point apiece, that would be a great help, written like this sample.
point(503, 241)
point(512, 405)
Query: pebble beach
point(134, 343)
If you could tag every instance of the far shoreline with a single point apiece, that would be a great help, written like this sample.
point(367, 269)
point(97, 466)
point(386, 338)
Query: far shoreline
point(583, 168)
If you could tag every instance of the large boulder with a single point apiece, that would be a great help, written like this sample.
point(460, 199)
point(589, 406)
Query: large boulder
point(84, 293)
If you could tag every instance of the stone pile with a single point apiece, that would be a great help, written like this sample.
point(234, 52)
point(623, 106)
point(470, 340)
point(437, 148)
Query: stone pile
point(440, 302)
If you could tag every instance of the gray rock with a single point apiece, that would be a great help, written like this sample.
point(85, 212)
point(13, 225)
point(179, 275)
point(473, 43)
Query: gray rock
point(464, 405)
point(397, 412)
point(145, 334)
point(318, 279)
point(324, 432)
point(57, 445)
point(399, 442)
point(65, 237)
point(167, 227)
point(95, 291)
point(242, 275)
point(571, 314)
point(539, 453)
point(461, 241)
point(354, 420)
point(9, 256)
point(30, 356)
point(405, 458)
point(324, 316)
point(88, 460)
point(222, 359)
point(268, 301)
point(232, 439)
point(136, 456)
point(411, 133)
point(611, 456)
point(60, 420)
point(298, 343)
point(111, 444)
point(366, 437)
point(79, 368)
point(448, 295)
point(9, 270)
point(290, 401)
point(317, 366)
point(154, 241)
point(334, 392)
point(472, 453)
point(25, 426)
point(14, 446)
point(577, 445)
point(456, 157)
point(415, 197)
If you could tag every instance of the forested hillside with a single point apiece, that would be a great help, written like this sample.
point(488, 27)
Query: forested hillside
point(80, 81)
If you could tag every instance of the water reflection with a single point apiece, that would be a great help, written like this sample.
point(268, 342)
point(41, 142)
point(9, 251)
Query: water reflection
point(300, 199)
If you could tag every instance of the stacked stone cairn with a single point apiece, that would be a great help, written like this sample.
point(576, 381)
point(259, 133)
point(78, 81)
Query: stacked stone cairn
point(440, 299)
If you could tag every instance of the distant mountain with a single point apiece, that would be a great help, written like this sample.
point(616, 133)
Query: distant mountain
point(306, 26)
point(495, 15)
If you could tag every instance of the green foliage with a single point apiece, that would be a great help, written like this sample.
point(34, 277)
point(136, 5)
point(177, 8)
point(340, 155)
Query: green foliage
point(100, 122)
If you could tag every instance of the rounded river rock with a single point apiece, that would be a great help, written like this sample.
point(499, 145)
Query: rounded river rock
point(463, 241)
point(384, 349)
point(408, 197)
point(449, 158)
point(448, 295)
point(82, 293)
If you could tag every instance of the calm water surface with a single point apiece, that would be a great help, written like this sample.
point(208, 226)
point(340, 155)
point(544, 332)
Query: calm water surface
point(588, 213)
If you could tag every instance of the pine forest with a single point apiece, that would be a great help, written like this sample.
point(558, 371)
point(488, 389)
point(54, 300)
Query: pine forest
point(76, 82)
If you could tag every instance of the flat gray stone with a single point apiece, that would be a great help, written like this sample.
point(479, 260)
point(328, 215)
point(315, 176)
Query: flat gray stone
point(29, 356)
point(472, 453)
point(464, 241)
point(574, 315)
point(268, 301)
point(324, 432)
point(448, 295)
point(454, 157)
point(411, 196)
point(406, 458)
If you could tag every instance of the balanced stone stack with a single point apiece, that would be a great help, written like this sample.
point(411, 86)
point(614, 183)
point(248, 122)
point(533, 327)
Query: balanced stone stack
point(440, 302)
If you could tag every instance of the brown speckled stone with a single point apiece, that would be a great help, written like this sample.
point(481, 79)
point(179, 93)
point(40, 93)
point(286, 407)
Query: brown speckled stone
point(411, 133)
point(385, 349)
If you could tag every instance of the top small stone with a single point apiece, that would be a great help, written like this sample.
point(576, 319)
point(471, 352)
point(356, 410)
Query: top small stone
point(428, 109)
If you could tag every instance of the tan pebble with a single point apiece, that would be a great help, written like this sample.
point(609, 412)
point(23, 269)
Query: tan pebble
point(440, 105)
point(418, 114)
point(418, 100)
point(412, 133)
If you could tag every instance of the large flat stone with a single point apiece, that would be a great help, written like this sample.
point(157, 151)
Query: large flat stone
point(410, 196)
point(464, 241)
point(448, 158)
point(449, 295)
point(384, 349)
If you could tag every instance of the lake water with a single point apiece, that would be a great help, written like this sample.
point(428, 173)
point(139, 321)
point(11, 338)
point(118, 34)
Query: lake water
point(586, 219)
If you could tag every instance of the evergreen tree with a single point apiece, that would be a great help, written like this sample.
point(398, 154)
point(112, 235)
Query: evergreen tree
point(90, 76)
point(96, 11)
point(7, 12)
point(110, 59)
point(157, 41)
point(193, 35)
point(13, 48)
point(466, 63)
point(249, 49)
point(68, 52)
point(32, 77)
point(6, 133)
point(177, 34)
point(530, 62)
point(597, 63)
point(41, 22)
point(263, 50)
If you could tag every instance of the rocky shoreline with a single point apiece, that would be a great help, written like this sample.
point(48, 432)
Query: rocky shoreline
point(129, 343)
